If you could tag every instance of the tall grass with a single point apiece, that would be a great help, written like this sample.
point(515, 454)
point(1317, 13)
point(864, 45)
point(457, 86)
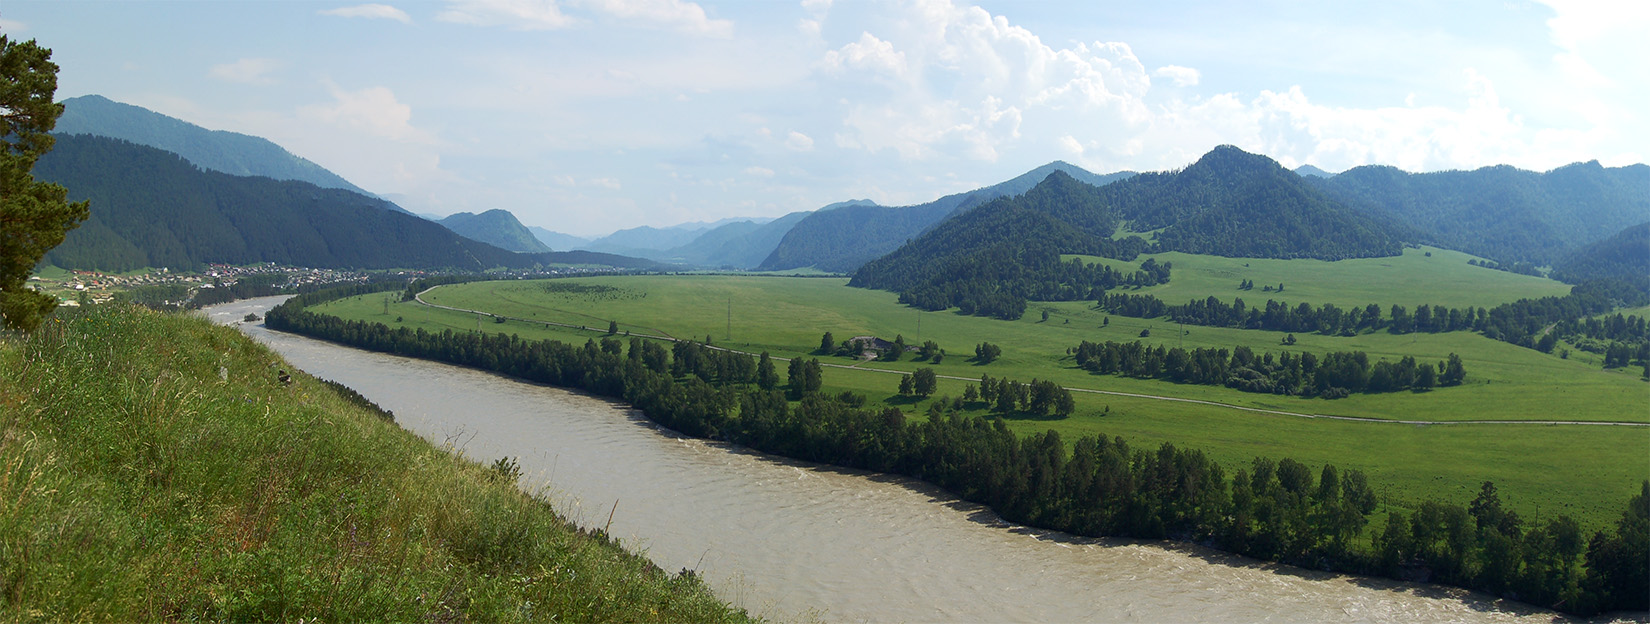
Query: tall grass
point(153, 467)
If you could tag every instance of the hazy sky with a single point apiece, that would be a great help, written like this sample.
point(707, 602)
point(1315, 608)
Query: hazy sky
point(587, 116)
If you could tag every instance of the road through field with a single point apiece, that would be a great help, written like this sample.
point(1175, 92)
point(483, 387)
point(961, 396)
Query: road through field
point(1606, 423)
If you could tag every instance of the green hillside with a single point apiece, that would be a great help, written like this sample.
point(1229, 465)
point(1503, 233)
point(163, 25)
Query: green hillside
point(495, 227)
point(229, 152)
point(841, 240)
point(1501, 212)
point(155, 469)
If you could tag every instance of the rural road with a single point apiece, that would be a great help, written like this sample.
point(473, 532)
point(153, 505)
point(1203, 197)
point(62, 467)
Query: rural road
point(1392, 421)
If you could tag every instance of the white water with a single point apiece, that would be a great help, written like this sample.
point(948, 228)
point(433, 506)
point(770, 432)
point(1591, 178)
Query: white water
point(786, 539)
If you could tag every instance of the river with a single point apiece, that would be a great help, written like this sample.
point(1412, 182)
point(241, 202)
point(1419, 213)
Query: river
point(790, 540)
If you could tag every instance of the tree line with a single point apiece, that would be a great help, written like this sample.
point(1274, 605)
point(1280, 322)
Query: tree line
point(1334, 375)
point(1096, 486)
point(1328, 318)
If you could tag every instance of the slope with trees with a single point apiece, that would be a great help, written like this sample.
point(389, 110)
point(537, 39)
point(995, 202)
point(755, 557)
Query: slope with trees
point(1623, 256)
point(843, 239)
point(495, 227)
point(229, 152)
point(1502, 212)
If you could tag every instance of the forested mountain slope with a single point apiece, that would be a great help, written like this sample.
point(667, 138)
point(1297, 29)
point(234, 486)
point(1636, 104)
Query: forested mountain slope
point(153, 208)
point(495, 227)
point(229, 152)
point(1502, 212)
point(1236, 204)
point(991, 259)
point(741, 245)
point(1625, 256)
point(843, 239)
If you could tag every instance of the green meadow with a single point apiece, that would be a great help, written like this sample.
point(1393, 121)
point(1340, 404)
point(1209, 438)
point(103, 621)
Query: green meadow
point(1585, 471)
point(1415, 278)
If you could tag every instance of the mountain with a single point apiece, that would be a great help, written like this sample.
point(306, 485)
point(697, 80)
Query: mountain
point(740, 245)
point(557, 240)
point(495, 227)
point(218, 150)
point(646, 240)
point(990, 260)
point(1236, 204)
point(153, 208)
point(1311, 171)
point(1626, 256)
point(843, 239)
point(1502, 212)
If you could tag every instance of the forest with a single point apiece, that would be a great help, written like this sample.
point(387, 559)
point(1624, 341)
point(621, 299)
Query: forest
point(1333, 375)
point(1279, 510)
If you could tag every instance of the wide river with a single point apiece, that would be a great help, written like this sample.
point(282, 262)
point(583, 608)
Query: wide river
point(790, 540)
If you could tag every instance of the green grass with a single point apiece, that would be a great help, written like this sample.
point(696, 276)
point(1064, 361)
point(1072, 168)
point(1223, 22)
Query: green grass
point(139, 485)
point(1409, 280)
point(1587, 472)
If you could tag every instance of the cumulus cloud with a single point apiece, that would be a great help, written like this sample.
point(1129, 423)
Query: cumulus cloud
point(246, 71)
point(370, 11)
point(1180, 76)
point(512, 14)
point(797, 141)
point(12, 26)
point(673, 14)
point(760, 172)
point(867, 54)
point(373, 110)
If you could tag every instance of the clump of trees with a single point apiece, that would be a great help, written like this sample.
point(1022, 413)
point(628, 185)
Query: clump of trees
point(986, 353)
point(1332, 375)
point(1279, 316)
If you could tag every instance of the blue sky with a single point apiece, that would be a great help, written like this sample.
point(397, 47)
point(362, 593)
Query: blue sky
point(587, 116)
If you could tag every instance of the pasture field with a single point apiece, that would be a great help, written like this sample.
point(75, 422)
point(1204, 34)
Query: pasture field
point(1585, 471)
point(1409, 280)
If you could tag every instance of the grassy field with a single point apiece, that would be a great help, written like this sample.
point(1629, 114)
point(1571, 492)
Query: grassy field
point(153, 468)
point(1415, 278)
point(1585, 471)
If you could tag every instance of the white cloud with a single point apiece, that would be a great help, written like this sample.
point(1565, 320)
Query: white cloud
point(607, 183)
point(370, 11)
point(373, 110)
point(760, 172)
point(513, 14)
point(673, 14)
point(799, 142)
point(12, 26)
point(816, 8)
point(1180, 76)
point(869, 53)
point(246, 71)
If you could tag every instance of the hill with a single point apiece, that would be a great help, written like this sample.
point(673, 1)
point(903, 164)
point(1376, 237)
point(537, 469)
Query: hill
point(646, 240)
point(740, 245)
point(990, 260)
point(228, 152)
point(1236, 204)
point(557, 240)
point(266, 489)
point(843, 239)
point(1625, 256)
point(1311, 171)
point(153, 208)
point(1502, 212)
point(495, 227)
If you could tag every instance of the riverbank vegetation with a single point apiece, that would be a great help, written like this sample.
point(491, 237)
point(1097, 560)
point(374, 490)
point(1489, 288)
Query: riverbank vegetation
point(1285, 510)
point(155, 467)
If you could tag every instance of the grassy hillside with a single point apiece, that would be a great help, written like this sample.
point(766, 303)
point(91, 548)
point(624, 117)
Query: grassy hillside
point(154, 468)
point(1599, 464)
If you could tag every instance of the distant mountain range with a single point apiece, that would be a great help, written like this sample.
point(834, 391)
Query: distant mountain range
point(1503, 213)
point(154, 208)
point(843, 239)
point(218, 150)
point(495, 227)
point(557, 240)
